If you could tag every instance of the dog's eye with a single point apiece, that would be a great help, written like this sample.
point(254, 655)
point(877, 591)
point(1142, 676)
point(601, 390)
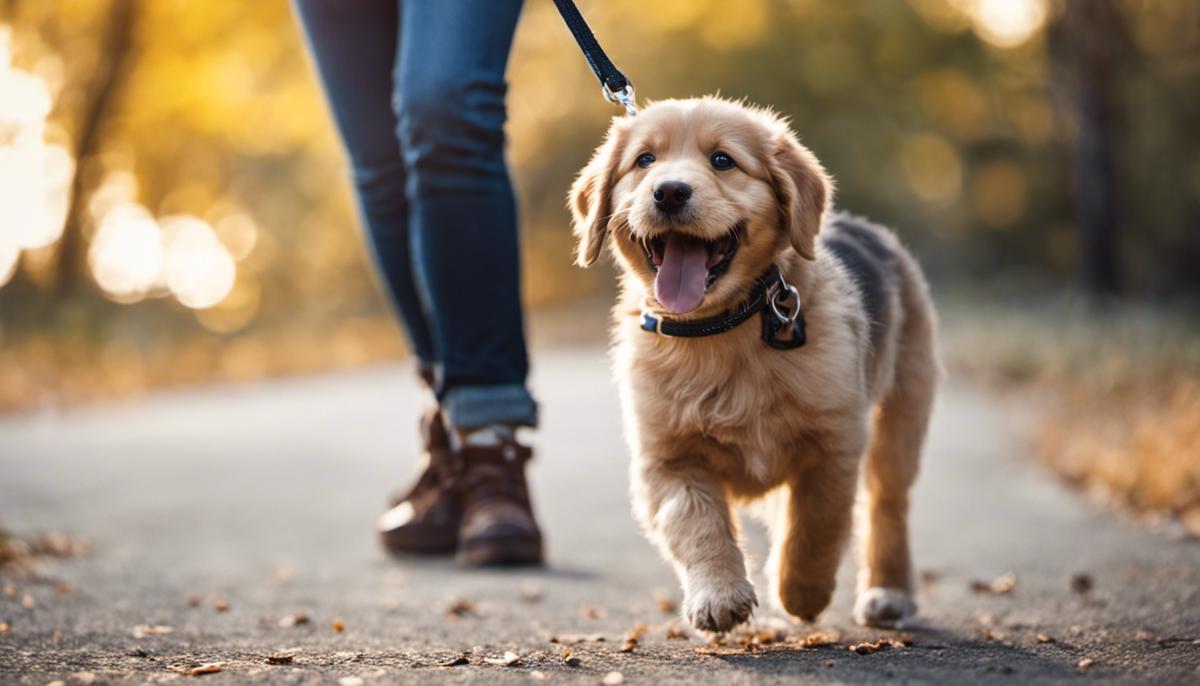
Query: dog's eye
point(645, 160)
point(721, 161)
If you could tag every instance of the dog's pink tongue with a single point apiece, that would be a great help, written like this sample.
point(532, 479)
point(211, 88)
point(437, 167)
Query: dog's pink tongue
point(679, 285)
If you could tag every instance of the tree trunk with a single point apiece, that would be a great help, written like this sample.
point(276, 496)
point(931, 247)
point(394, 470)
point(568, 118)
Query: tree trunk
point(99, 107)
point(1090, 40)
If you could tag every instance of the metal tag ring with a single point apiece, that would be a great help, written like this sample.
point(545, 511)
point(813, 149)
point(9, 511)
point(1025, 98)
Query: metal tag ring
point(792, 292)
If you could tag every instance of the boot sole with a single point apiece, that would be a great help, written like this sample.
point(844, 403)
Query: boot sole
point(501, 553)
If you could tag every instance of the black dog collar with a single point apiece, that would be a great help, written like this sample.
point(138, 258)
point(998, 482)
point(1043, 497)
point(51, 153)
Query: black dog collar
point(770, 293)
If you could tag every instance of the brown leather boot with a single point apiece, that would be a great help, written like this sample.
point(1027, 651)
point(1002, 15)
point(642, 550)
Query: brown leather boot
point(426, 519)
point(497, 527)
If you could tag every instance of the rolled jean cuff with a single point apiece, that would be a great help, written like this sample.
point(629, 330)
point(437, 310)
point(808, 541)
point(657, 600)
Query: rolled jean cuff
point(470, 407)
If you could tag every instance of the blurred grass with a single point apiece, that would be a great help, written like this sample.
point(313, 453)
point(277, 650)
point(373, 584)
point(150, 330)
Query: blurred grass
point(1121, 385)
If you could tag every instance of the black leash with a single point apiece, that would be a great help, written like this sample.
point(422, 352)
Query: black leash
point(770, 291)
point(617, 88)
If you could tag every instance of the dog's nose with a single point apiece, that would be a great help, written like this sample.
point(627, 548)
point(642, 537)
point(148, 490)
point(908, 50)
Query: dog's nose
point(671, 196)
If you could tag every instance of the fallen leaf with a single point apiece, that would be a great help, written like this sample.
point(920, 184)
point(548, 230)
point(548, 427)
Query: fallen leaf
point(1085, 664)
point(63, 587)
point(294, 619)
point(10, 590)
point(628, 646)
point(56, 636)
point(1046, 638)
point(144, 630)
point(461, 608)
point(5, 627)
point(210, 668)
point(1001, 585)
point(571, 660)
point(338, 625)
point(991, 634)
point(589, 612)
point(221, 605)
point(675, 631)
point(27, 601)
point(572, 639)
point(1082, 583)
point(350, 681)
point(458, 661)
point(666, 605)
point(613, 679)
point(193, 600)
point(869, 647)
point(508, 660)
point(280, 659)
point(821, 639)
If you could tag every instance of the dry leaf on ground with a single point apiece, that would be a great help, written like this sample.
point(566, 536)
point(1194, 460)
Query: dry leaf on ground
point(337, 625)
point(294, 619)
point(280, 659)
point(1046, 638)
point(869, 647)
point(675, 631)
point(1001, 585)
point(1085, 664)
point(221, 605)
point(571, 660)
point(144, 630)
point(821, 639)
point(460, 608)
point(590, 612)
point(193, 600)
point(572, 639)
point(5, 627)
point(457, 661)
point(1082, 583)
point(508, 660)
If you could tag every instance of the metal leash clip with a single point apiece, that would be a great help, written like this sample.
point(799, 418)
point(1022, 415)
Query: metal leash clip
point(624, 97)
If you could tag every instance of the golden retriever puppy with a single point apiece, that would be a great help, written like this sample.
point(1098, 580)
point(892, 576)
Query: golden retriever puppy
point(763, 346)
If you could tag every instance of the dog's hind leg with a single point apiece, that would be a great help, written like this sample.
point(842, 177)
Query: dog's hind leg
point(885, 588)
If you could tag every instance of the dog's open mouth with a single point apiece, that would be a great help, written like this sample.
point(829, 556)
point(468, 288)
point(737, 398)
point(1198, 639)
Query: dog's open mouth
point(686, 266)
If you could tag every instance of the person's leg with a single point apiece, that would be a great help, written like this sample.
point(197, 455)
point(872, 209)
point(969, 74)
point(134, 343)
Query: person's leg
point(354, 43)
point(450, 92)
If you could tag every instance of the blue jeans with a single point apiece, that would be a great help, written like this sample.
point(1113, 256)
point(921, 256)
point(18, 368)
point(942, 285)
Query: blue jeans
point(417, 90)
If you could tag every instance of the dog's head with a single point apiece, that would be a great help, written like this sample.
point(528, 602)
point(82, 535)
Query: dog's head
point(699, 197)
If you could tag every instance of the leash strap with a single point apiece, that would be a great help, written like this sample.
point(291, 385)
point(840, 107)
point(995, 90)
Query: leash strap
point(617, 88)
point(769, 289)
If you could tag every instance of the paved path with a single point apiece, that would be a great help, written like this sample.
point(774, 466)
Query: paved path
point(264, 496)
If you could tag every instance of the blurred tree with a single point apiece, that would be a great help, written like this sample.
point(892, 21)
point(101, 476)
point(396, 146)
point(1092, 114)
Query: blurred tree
point(115, 63)
point(1088, 44)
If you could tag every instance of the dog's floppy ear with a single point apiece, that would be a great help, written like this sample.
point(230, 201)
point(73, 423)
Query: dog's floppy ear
point(591, 196)
point(802, 189)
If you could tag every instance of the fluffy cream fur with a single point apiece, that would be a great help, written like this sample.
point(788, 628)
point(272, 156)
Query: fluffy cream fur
point(725, 420)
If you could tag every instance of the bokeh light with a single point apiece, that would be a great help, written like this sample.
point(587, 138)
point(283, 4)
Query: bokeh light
point(932, 168)
point(126, 255)
point(199, 271)
point(1007, 23)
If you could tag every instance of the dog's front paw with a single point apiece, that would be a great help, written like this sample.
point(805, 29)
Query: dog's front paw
point(883, 607)
point(719, 606)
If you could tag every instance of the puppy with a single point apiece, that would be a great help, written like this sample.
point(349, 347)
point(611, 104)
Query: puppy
point(714, 210)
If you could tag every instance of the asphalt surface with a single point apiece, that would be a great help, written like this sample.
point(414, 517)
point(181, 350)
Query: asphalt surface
point(263, 497)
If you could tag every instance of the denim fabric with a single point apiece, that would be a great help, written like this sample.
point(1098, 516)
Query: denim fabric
point(417, 90)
